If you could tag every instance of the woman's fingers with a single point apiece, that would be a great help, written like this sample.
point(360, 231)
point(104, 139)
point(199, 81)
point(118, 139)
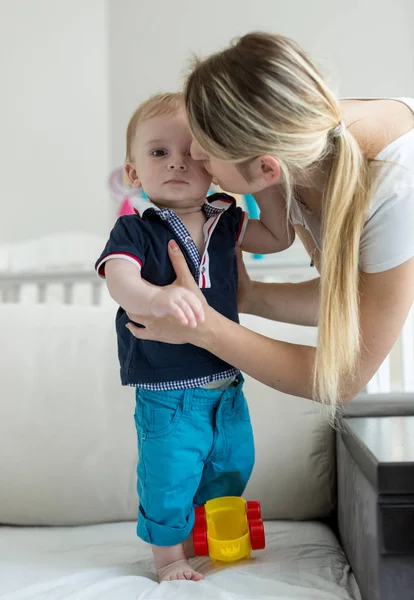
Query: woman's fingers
point(185, 279)
point(139, 332)
point(167, 329)
point(135, 318)
point(184, 276)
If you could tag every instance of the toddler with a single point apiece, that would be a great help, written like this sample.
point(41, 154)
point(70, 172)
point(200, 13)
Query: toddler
point(195, 438)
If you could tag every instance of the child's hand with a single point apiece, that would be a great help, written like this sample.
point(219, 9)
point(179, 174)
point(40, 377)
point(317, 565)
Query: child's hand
point(178, 302)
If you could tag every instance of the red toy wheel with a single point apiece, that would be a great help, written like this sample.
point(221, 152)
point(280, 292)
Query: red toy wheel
point(253, 510)
point(200, 532)
point(200, 540)
point(257, 534)
point(200, 515)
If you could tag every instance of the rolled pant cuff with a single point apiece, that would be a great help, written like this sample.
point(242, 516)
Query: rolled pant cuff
point(163, 535)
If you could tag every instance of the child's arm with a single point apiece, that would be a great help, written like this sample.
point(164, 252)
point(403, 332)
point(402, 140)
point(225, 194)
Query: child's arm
point(272, 232)
point(137, 296)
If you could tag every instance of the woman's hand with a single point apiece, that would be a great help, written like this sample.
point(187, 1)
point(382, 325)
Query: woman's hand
point(178, 302)
point(168, 328)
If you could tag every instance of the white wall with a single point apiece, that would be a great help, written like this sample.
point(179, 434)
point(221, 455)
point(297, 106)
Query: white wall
point(367, 45)
point(53, 117)
point(73, 71)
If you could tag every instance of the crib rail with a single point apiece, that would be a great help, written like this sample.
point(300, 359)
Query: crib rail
point(50, 286)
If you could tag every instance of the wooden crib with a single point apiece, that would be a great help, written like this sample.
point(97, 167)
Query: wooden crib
point(81, 285)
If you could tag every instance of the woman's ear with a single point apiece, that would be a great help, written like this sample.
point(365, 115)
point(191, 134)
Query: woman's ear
point(266, 168)
point(132, 175)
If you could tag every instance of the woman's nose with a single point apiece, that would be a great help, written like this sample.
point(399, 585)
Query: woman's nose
point(196, 151)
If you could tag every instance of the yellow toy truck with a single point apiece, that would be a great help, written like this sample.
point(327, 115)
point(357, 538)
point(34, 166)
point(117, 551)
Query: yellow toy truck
point(228, 529)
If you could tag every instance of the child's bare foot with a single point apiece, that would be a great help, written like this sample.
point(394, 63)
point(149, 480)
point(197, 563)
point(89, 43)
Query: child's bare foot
point(180, 569)
point(172, 564)
point(189, 547)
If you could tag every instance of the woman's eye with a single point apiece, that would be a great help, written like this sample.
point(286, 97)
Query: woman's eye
point(158, 153)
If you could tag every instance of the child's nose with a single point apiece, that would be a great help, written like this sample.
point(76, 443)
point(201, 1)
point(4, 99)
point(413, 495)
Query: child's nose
point(178, 163)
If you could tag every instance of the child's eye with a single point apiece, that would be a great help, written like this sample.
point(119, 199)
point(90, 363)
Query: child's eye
point(159, 153)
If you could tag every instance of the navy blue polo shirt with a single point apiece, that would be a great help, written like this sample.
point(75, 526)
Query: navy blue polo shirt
point(143, 239)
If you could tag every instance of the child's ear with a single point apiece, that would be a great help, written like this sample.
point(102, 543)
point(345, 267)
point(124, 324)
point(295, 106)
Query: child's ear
point(132, 175)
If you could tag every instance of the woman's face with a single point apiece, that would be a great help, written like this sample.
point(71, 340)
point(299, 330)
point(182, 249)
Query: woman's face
point(227, 175)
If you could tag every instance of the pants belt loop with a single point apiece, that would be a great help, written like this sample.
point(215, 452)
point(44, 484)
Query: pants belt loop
point(187, 400)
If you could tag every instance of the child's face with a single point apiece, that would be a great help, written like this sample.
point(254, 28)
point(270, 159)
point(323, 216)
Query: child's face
point(163, 166)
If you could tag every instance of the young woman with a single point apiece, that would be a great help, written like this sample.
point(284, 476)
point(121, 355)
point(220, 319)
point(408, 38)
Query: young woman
point(342, 174)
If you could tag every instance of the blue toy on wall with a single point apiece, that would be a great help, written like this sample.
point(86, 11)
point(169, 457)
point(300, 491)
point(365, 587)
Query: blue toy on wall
point(254, 213)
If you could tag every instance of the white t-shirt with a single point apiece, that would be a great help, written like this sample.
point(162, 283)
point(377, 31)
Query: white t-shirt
point(388, 234)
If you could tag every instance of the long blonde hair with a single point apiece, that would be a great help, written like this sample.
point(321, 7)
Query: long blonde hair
point(263, 95)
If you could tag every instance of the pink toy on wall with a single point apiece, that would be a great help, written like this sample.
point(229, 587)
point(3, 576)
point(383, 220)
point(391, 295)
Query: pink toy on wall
point(122, 193)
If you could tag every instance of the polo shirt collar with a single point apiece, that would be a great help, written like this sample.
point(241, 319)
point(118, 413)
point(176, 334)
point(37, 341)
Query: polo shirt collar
point(216, 207)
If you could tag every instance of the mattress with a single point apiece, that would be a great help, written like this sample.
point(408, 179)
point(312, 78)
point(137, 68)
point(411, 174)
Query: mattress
point(302, 560)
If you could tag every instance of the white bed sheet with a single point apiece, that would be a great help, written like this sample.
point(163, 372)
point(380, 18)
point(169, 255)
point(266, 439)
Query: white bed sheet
point(107, 562)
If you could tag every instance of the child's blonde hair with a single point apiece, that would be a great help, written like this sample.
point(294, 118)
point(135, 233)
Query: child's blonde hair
point(156, 106)
point(263, 95)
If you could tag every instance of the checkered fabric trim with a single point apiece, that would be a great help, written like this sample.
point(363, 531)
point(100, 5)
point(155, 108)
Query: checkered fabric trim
point(184, 384)
point(182, 233)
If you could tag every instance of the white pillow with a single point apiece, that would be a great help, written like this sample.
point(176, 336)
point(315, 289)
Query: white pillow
point(67, 438)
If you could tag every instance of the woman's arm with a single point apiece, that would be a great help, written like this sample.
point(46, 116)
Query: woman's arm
point(280, 365)
point(296, 303)
point(272, 232)
point(386, 299)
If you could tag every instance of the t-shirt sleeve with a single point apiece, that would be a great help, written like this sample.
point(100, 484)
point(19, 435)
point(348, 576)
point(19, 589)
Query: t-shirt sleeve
point(242, 220)
point(126, 241)
point(237, 218)
point(388, 236)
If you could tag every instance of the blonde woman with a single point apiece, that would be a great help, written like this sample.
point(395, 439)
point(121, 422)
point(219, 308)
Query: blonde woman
point(342, 174)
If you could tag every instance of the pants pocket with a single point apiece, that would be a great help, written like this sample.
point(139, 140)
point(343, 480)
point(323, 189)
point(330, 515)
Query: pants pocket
point(242, 407)
point(155, 416)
